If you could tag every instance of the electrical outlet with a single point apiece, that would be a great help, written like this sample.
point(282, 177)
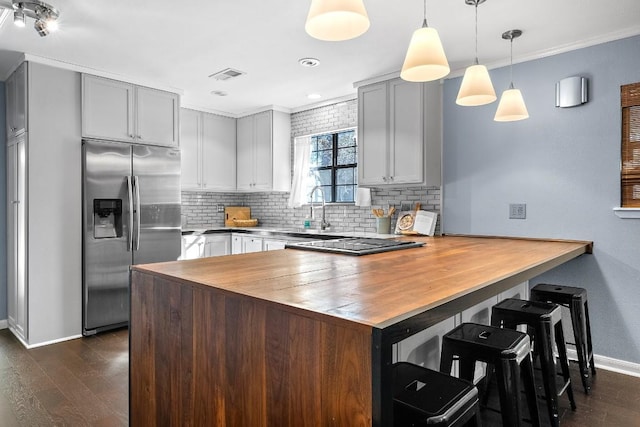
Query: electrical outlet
point(220, 208)
point(517, 211)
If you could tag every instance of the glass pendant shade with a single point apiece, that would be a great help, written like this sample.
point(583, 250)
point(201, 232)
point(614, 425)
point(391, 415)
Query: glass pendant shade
point(425, 59)
point(336, 20)
point(511, 107)
point(476, 88)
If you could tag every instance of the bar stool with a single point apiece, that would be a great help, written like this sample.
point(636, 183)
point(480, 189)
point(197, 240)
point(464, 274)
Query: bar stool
point(510, 353)
point(423, 396)
point(576, 300)
point(543, 322)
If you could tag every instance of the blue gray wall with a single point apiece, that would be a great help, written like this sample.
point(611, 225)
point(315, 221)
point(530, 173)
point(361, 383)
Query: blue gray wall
point(564, 163)
point(3, 210)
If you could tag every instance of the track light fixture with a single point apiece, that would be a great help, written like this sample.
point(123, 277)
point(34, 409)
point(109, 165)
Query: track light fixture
point(45, 15)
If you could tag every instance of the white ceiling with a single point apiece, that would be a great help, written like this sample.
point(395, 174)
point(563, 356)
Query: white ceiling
point(157, 43)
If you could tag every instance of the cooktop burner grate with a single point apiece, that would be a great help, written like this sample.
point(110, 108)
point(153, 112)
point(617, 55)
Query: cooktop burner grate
point(354, 245)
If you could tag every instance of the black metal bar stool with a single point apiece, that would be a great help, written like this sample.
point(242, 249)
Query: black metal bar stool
point(424, 397)
point(576, 300)
point(544, 325)
point(510, 353)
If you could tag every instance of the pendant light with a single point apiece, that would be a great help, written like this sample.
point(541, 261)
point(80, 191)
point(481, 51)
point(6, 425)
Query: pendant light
point(511, 106)
point(336, 20)
point(425, 60)
point(476, 88)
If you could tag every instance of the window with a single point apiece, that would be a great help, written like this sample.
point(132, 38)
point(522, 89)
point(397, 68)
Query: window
point(333, 163)
point(630, 171)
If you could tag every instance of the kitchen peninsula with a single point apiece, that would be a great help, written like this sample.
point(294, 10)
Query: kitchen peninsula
point(297, 338)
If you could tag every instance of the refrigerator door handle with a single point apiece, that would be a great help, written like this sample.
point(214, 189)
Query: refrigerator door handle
point(130, 234)
point(137, 186)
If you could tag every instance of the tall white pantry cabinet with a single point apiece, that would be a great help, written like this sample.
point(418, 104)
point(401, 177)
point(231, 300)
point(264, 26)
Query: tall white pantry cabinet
point(44, 255)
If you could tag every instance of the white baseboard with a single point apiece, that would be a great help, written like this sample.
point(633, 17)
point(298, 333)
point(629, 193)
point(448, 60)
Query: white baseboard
point(610, 364)
point(4, 324)
point(40, 344)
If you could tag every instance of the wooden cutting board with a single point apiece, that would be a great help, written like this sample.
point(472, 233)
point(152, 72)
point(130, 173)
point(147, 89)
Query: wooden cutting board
point(235, 212)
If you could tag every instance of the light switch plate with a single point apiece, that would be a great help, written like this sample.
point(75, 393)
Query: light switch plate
point(220, 208)
point(517, 211)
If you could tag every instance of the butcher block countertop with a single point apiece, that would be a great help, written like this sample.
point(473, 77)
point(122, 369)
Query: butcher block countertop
point(381, 289)
point(294, 338)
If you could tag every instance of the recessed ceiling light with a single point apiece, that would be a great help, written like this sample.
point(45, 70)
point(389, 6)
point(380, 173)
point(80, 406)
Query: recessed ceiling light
point(314, 96)
point(309, 62)
point(219, 93)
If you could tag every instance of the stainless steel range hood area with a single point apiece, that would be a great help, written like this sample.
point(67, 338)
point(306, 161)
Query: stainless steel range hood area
point(354, 245)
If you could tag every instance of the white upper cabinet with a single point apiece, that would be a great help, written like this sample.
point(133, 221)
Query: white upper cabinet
point(264, 152)
point(218, 152)
point(190, 156)
point(16, 101)
point(157, 116)
point(121, 111)
point(208, 151)
point(399, 133)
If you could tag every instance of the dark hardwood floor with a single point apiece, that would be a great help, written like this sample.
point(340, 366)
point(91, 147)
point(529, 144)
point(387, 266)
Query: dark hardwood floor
point(84, 382)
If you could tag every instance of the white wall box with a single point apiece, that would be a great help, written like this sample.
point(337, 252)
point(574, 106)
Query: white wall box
point(16, 101)
point(44, 178)
point(264, 152)
point(208, 151)
point(122, 111)
point(399, 133)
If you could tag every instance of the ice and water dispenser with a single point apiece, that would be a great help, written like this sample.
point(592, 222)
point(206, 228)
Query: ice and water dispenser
point(107, 218)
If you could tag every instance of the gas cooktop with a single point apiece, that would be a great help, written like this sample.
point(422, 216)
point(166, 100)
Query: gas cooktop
point(354, 245)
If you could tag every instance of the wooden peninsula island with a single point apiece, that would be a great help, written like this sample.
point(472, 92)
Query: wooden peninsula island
point(296, 338)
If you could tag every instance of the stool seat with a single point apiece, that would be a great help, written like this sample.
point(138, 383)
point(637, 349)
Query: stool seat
point(575, 299)
point(508, 351)
point(426, 397)
point(544, 325)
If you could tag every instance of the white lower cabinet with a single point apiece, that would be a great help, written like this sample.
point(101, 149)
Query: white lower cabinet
point(217, 245)
point(424, 348)
point(202, 246)
point(273, 245)
point(245, 243)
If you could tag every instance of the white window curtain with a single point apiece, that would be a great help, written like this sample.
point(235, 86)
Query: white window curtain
point(300, 184)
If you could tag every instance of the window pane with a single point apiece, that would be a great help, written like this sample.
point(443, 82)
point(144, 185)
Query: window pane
point(344, 193)
point(345, 176)
point(317, 196)
point(325, 158)
point(325, 142)
point(324, 177)
point(346, 156)
point(313, 159)
point(314, 143)
point(347, 139)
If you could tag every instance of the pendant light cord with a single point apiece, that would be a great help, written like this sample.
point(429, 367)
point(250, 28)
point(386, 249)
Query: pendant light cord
point(511, 63)
point(476, 62)
point(424, 23)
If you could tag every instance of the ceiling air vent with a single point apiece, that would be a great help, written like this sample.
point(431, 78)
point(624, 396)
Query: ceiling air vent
point(227, 74)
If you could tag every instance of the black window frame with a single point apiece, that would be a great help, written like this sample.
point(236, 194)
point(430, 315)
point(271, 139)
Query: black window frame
point(335, 167)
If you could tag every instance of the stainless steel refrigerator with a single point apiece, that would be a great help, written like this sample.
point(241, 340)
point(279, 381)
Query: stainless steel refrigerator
point(131, 215)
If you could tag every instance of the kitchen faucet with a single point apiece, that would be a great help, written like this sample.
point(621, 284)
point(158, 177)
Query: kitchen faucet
point(323, 224)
